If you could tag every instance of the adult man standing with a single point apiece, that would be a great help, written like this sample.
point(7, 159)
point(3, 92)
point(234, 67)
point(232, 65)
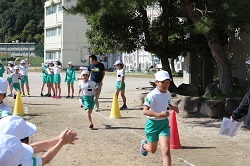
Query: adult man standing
point(97, 73)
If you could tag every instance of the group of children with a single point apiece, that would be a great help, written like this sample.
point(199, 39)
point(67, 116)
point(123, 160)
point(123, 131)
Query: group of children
point(17, 76)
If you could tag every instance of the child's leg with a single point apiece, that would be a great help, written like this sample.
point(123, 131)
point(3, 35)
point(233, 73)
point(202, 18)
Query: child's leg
point(123, 97)
point(22, 88)
point(89, 116)
point(53, 89)
point(27, 88)
point(49, 88)
point(117, 92)
point(56, 89)
point(150, 147)
point(165, 150)
point(42, 87)
point(72, 88)
point(68, 84)
point(59, 89)
point(11, 88)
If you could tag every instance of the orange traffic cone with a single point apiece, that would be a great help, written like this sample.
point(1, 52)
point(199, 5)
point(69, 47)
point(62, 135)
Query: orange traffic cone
point(174, 134)
point(18, 108)
point(115, 110)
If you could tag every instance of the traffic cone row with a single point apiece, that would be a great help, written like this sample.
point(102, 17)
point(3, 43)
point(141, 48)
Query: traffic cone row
point(115, 110)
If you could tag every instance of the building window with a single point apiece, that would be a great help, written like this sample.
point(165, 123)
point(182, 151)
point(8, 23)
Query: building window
point(51, 32)
point(59, 7)
point(59, 31)
point(50, 55)
point(50, 10)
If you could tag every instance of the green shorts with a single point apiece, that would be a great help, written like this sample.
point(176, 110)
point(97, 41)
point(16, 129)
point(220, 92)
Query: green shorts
point(24, 80)
point(57, 79)
point(155, 128)
point(118, 83)
point(44, 78)
point(88, 102)
point(50, 78)
point(70, 81)
point(9, 79)
point(16, 86)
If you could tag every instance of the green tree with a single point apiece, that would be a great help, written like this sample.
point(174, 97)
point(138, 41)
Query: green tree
point(217, 20)
point(125, 25)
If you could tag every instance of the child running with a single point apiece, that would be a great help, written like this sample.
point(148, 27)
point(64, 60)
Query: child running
point(57, 79)
point(89, 91)
point(9, 70)
point(70, 78)
point(120, 84)
point(24, 67)
point(2, 69)
point(15, 77)
point(156, 108)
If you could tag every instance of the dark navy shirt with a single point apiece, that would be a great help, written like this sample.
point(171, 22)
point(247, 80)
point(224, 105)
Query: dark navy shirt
point(96, 72)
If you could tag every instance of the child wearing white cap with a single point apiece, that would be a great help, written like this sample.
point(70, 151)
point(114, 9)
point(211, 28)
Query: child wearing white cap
point(15, 77)
point(5, 110)
point(9, 70)
point(44, 76)
point(70, 78)
point(89, 90)
point(24, 67)
point(156, 108)
point(13, 152)
point(2, 68)
point(50, 78)
point(57, 79)
point(120, 83)
point(18, 127)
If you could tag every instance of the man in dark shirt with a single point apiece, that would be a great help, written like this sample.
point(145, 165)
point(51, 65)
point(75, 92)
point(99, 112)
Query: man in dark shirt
point(243, 110)
point(97, 73)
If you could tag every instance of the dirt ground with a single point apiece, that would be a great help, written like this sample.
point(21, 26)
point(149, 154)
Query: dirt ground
point(116, 141)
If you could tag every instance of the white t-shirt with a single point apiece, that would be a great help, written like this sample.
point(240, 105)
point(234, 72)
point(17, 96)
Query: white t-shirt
point(157, 102)
point(88, 88)
point(5, 108)
point(15, 77)
point(48, 70)
point(119, 74)
point(34, 161)
point(57, 69)
point(10, 70)
point(24, 69)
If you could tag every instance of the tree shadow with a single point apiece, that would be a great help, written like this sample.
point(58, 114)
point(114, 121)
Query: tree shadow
point(41, 104)
point(197, 147)
point(106, 126)
point(207, 123)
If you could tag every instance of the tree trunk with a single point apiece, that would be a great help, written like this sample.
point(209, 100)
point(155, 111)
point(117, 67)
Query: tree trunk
point(224, 68)
point(166, 67)
point(172, 64)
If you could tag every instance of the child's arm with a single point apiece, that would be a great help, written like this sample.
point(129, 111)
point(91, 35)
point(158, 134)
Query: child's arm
point(176, 109)
point(15, 62)
point(162, 114)
point(79, 93)
point(66, 137)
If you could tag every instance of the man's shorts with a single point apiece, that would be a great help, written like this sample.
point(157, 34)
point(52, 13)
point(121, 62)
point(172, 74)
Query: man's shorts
point(44, 78)
point(9, 79)
point(70, 81)
point(16, 86)
point(57, 79)
point(24, 80)
point(117, 86)
point(50, 78)
point(156, 128)
point(88, 102)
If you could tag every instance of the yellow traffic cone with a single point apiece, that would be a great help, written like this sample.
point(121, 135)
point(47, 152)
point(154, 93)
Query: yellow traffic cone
point(18, 109)
point(115, 110)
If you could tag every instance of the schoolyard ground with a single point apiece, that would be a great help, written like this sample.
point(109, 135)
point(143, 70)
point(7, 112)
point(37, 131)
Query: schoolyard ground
point(116, 141)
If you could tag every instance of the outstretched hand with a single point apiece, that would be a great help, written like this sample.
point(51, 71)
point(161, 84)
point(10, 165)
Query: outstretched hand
point(68, 137)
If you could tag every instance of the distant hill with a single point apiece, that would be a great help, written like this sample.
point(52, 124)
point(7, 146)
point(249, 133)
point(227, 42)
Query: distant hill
point(22, 20)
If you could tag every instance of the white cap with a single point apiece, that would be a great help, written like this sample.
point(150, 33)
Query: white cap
point(70, 63)
point(11, 62)
point(23, 61)
point(3, 85)
point(50, 61)
point(57, 60)
point(84, 72)
point(162, 75)
point(17, 126)
point(16, 67)
point(12, 151)
point(117, 63)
